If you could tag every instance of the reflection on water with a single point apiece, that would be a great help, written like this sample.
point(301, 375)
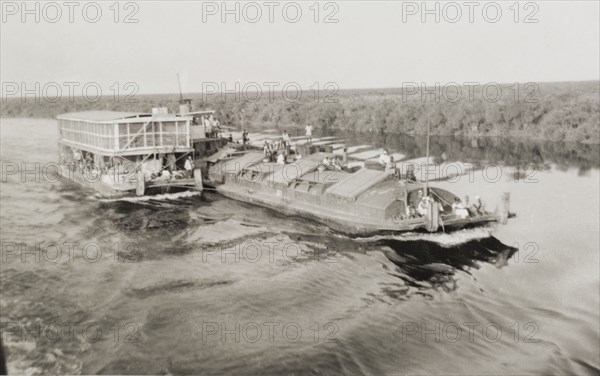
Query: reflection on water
point(513, 153)
point(430, 265)
point(174, 265)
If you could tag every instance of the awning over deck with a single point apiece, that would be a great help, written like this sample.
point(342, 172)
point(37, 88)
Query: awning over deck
point(100, 116)
point(125, 133)
point(244, 163)
point(294, 170)
point(358, 182)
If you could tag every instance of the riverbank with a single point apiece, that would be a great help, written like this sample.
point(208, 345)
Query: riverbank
point(565, 111)
point(515, 152)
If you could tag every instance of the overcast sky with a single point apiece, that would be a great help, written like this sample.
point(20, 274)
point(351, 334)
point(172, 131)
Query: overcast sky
point(370, 45)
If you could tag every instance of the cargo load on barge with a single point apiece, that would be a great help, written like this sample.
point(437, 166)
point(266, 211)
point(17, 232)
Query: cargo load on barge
point(357, 201)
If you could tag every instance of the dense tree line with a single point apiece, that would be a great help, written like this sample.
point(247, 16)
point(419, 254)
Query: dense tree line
point(550, 111)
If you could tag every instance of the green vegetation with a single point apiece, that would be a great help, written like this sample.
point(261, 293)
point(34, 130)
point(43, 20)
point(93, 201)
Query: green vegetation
point(550, 111)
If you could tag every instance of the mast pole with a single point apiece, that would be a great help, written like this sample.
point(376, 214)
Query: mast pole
point(427, 157)
point(179, 82)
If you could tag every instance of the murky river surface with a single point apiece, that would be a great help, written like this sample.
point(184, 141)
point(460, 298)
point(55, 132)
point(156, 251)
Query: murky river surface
point(192, 283)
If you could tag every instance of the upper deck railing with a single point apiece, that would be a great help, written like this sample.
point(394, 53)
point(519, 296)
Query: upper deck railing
point(135, 134)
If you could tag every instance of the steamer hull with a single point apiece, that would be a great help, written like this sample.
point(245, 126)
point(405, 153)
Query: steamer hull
point(106, 188)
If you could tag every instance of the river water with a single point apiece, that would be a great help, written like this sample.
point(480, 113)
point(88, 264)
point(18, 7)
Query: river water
point(191, 283)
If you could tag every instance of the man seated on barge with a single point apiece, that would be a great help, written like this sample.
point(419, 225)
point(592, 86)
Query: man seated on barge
point(391, 166)
point(337, 162)
point(384, 158)
point(478, 208)
point(165, 174)
point(422, 208)
point(281, 158)
point(330, 163)
point(411, 212)
point(459, 209)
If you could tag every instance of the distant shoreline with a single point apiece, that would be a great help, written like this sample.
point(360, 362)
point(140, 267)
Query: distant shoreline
point(516, 151)
point(499, 137)
point(560, 112)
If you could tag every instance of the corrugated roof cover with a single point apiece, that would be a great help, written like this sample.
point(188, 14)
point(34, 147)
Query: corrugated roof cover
point(357, 183)
point(99, 115)
point(221, 154)
point(200, 112)
point(383, 196)
point(240, 164)
point(294, 170)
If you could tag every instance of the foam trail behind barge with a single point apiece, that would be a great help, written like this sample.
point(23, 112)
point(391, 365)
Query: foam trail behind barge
point(444, 239)
point(161, 197)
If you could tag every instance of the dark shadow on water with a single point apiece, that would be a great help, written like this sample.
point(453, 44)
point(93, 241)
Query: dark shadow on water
point(426, 264)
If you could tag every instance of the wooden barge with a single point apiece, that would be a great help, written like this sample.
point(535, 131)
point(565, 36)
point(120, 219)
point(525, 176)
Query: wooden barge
point(359, 201)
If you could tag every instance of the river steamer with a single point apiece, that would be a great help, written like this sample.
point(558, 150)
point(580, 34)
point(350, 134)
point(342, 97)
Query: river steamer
point(133, 153)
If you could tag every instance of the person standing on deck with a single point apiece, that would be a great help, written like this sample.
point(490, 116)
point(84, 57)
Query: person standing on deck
point(189, 166)
point(309, 129)
point(245, 138)
point(391, 165)
point(171, 160)
point(422, 207)
point(216, 125)
point(410, 173)
point(207, 127)
point(286, 141)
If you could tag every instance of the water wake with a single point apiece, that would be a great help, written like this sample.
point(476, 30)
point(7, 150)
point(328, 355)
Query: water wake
point(444, 239)
point(161, 197)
